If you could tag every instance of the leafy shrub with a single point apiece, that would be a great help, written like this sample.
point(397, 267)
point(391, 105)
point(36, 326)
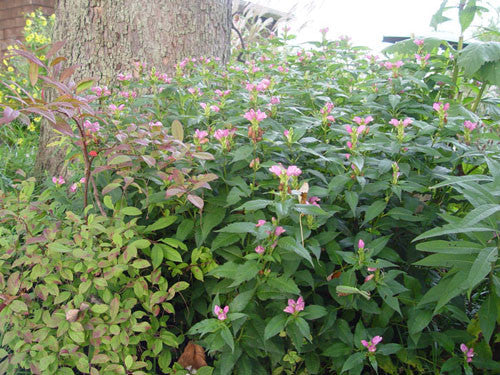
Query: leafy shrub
point(296, 197)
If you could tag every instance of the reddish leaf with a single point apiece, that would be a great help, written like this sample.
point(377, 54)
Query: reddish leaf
point(55, 47)
point(197, 201)
point(31, 57)
point(33, 73)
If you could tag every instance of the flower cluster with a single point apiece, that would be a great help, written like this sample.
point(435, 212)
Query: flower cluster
point(295, 306)
point(400, 125)
point(372, 344)
point(225, 137)
point(468, 352)
point(221, 313)
point(442, 110)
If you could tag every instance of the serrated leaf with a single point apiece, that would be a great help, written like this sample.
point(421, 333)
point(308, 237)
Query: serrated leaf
point(257, 204)
point(354, 360)
point(475, 55)
point(438, 17)
point(242, 153)
point(290, 244)
point(161, 223)
point(240, 227)
point(352, 200)
point(156, 256)
point(488, 316)
point(375, 209)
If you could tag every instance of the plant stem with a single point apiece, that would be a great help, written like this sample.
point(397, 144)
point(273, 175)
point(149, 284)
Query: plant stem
point(478, 98)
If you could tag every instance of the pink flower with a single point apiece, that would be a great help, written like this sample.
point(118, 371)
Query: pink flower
point(388, 65)
point(372, 344)
point(252, 115)
point(259, 249)
point(201, 135)
point(324, 30)
point(82, 180)
point(263, 85)
point(92, 127)
point(286, 133)
point(73, 188)
point(275, 100)
point(418, 42)
point(214, 108)
point(349, 146)
point(407, 121)
point(469, 352)
point(363, 121)
point(314, 201)
point(330, 118)
point(371, 269)
point(58, 180)
point(221, 133)
point(361, 244)
point(260, 223)
point(293, 170)
point(277, 170)
point(440, 107)
point(470, 125)
point(360, 129)
point(279, 231)
point(348, 127)
point(114, 108)
point(221, 313)
point(123, 77)
point(394, 122)
point(295, 306)
point(399, 64)
point(203, 105)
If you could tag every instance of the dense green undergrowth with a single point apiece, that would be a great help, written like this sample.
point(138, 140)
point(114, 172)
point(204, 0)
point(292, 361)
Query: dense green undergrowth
point(307, 212)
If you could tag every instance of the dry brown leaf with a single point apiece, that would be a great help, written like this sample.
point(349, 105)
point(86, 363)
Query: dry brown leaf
point(192, 357)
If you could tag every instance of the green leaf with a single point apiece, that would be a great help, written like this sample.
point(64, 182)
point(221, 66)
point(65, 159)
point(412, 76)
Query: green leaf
point(161, 223)
point(466, 15)
point(241, 227)
point(140, 263)
point(290, 244)
point(417, 321)
point(177, 130)
point(18, 306)
point(99, 308)
point(242, 153)
point(312, 312)
point(480, 213)
point(119, 159)
point(275, 326)
point(131, 211)
point(481, 266)
point(475, 55)
point(227, 337)
point(311, 209)
point(375, 209)
point(447, 260)
point(449, 247)
point(84, 85)
point(388, 349)
point(241, 301)
point(488, 316)
point(451, 229)
point(257, 204)
point(283, 284)
point(438, 18)
point(352, 200)
point(354, 360)
point(156, 256)
point(171, 254)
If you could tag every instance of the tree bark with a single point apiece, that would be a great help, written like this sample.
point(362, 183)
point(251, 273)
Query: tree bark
point(106, 37)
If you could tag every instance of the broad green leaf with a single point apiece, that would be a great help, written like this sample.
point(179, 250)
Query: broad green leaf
point(84, 85)
point(99, 308)
point(310, 209)
point(447, 260)
point(241, 301)
point(438, 17)
point(275, 326)
point(161, 223)
point(488, 316)
point(480, 213)
point(18, 306)
point(257, 204)
point(242, 153)
point(466, 15)
point(475, 55)
point(241, 227)
point(417, 321)
point(449, 247)
point(290, 244)
point(451, 229)
point(119, 159)
point(481, 267)
point(283, 284)
point(177, 130)
point(375, 209)
point(460, 179)
point(156, 256)
point(131, 211)
point(352, 200)
point(171, 254)
point(354, 360)
point(227, 337)
point(312, 312)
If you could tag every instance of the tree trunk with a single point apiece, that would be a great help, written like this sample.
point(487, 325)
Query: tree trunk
point(106, 37)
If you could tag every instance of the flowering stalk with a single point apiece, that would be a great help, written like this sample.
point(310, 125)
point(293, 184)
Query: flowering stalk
point(400, 125)
point(468, 128)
